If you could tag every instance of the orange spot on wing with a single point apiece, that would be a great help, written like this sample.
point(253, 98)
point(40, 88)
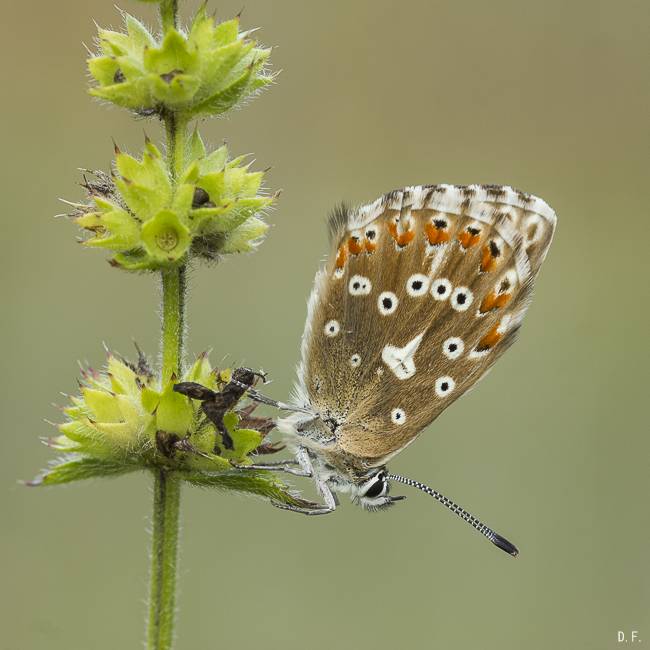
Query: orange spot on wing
point(341, 257)
point(435, 235)
point(371, 247)
point(490, 339)
point(355, 246)
point(494, 301)
point(401, 239)
point(467, 239)
point(488, 261)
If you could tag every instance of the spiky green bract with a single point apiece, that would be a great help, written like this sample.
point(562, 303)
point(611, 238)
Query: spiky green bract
point(206, 71)
point(124, 420)
point(151, 222)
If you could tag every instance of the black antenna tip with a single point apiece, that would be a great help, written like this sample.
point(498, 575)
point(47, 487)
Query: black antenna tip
point(505, 545)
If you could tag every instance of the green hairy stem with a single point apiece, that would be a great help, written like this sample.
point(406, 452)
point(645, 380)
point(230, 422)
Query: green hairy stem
point(167, 488)
point(153, 213)
point(164, 554)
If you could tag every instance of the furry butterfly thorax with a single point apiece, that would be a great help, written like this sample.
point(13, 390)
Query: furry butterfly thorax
point(423, 290)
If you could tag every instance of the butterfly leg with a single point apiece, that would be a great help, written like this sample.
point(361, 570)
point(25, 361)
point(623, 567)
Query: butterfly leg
point(303, 511)
point(279, 466)
point(329, 498)
point(302, 459)
point(256, 396)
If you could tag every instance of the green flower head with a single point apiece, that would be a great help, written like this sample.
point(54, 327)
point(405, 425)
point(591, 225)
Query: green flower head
point(205, 71)
point(150, 222)
point(124, 419)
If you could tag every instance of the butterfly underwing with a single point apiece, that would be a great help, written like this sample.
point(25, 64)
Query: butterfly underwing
point(422, 292)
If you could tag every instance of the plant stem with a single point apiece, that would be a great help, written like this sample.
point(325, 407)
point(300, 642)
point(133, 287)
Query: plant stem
point(173, 322)
point(175, 129)
point(164, 553)
point(167, 489)
point(166, 486)
point(168, 14)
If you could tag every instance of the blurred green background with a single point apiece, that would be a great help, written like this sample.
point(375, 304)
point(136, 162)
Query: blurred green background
point(550, 97)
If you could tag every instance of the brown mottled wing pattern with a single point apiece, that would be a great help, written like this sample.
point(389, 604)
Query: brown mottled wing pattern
point(424, 289)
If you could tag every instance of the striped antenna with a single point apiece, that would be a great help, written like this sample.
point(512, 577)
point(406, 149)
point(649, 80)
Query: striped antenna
point(486, 531)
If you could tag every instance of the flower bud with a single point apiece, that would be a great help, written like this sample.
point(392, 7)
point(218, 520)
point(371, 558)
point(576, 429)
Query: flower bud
point(209, 70)
point(150, 223)
point(124, 420)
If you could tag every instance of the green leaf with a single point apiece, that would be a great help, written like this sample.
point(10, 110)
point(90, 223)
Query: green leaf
point(127, 95)
point(150, 399)
point(242, 210)
point(175, 413)
point(114, 43)
point(219, 64)
point(139, 34)
point(195, 148)
point(120, 231)
point(81, 431)
point(173, 54)
point(118, 434)
point(250, 481)
point(102, 404)
point(246, 441)
point(175, 89)
point(79, 468)
point(103, 68)
point(144, 202)
point(123, 379)
point(145, 184)
point(190, 174)
point(183, 198)
point(214, 162)
point(214, 184)
point(226, 32)
point(225, 99)
point(134, 261)
point(201, 31)
point(246, 237)
point(201, 372)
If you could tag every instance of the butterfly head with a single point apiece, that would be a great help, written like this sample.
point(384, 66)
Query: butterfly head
point(370, 490)
point(343, 473)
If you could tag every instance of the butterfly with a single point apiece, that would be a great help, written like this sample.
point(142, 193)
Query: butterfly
point(424, 289)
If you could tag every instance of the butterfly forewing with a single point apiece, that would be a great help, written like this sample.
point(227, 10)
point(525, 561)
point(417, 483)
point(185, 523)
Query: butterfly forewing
point(423, 290)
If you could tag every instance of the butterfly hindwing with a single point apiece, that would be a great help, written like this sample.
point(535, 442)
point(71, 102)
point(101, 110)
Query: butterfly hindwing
point(423, 290)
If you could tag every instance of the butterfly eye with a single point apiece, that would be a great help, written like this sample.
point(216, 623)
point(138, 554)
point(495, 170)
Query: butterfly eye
point(398, 416)
point(355, 360)
point(444, 386)
point(376, 489)
point(332, 328)
point(417, 285)
point(387, 303)
point(359, 285)
point(461, 298)
point(440, 289)
point(453, 347)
